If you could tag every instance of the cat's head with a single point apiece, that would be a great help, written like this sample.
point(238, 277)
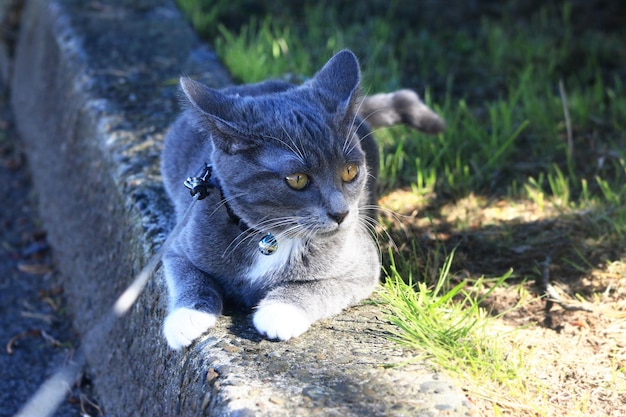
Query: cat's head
point(289, 162)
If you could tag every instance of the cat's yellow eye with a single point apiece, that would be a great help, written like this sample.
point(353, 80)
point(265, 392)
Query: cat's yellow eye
point(349, 172)
point(297, 181)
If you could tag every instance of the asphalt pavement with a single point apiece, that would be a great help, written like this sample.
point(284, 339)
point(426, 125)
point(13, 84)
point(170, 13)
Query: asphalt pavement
point(35, 329)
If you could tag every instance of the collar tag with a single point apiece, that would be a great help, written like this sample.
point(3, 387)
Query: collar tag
point(268, 245)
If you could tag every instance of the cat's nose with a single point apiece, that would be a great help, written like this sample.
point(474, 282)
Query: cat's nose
point(339, 217)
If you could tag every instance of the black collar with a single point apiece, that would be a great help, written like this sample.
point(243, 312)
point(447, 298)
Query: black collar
point(202, 183)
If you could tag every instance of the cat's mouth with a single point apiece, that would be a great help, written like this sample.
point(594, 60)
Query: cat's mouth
point(331, 229)
point(323, 233)
point(327, 232)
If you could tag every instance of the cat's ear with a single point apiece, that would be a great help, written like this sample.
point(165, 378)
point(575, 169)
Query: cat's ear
point(338, 81)
point(205, 99)
point(216, 113)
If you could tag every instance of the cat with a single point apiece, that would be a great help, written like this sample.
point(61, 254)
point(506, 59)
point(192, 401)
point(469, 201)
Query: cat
point(286, 227)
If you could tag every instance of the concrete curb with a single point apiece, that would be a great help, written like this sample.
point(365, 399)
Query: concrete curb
point(93, 90)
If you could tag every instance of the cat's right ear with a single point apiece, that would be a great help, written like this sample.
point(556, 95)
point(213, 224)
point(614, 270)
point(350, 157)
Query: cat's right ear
point(215, 115)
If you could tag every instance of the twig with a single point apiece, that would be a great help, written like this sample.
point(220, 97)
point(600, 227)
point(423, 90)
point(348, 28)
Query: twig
point(53, 342)
point(84, 400)
point(545, 283)
point(29, 333)
point(568, 122)
point(19, 336)
point(553, 297)
point(48, 318)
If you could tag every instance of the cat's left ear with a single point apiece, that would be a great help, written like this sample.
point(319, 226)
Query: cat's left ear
point(338, 81)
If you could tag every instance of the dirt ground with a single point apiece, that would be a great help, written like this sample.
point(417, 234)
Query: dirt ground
point(576, 349)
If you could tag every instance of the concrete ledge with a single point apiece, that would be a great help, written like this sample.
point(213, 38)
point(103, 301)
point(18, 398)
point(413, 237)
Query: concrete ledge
point(93, 90)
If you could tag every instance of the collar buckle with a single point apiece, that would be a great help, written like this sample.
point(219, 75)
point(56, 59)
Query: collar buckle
point(201, 183)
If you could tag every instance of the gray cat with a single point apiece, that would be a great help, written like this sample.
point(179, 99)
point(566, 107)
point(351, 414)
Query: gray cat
point(286, 227)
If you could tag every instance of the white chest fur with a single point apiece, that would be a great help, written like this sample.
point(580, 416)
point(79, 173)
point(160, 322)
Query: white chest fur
point(266, 264)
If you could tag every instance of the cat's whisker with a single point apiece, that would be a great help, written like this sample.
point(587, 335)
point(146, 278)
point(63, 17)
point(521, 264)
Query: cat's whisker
point(398, 219)
point(370, 175)
point(292, 232)
point(298, 149)
point(276, 223)
point(303, 229)
point(241, 237)
point(373, 226)
point(367, 228)
point(375, 229)
point(308, 231)
point(353, 129)
point(361, 139)
point(371, 220)
point(224, 201)
point(293, 147)
point(250, 232)
point(285, 224)
point(365, 117)
point(347, 149)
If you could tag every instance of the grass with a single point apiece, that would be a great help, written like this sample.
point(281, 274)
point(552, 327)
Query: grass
point(530, 174)
point(516, 111)
point(446, 319)
point(447, 323)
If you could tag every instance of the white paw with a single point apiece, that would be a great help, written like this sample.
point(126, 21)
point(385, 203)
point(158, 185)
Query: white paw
point(280, 321)
point(183, 325)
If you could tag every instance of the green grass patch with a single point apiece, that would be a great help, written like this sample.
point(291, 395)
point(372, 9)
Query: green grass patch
point(445, 319)
point(446, 322)
point(495, 83)
point(535, 106)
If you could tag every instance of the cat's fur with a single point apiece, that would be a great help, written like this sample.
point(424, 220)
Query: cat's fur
point(255, 136)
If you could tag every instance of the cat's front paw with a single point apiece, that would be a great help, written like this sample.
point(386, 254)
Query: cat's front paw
point(183, 325)
point(280, 321)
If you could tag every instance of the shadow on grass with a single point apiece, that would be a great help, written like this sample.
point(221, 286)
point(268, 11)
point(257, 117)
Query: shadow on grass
point(572, 249)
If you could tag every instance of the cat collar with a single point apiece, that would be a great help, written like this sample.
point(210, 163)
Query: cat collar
point(202, 183)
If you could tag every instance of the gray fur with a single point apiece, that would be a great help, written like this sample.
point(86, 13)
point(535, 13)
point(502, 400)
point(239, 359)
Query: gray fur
point(402, 106)
point(254, 136)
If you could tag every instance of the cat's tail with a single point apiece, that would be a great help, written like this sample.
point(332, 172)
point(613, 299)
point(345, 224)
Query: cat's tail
point(400, 107)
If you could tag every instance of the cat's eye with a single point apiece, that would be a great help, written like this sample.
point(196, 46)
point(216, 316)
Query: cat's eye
point(297, 181)
point(349, 172)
